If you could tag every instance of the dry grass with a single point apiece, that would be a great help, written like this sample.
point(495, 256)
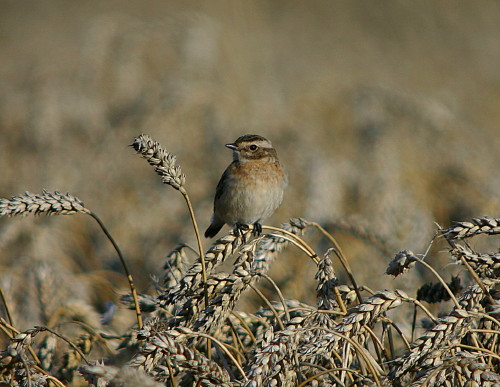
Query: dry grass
point(386, 118)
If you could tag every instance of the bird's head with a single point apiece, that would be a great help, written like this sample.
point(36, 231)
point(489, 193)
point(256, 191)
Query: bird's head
point(252, 147)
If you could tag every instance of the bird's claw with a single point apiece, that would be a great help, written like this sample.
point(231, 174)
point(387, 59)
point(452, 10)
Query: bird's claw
point(257, 229)
point(238, 230)
point(240, 227)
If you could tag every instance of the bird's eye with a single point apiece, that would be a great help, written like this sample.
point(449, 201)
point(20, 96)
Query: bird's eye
point(253, 148)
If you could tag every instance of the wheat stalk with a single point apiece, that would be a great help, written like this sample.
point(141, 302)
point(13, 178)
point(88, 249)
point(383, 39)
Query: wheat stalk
point(163, 162)
point(462, 230)
point(343, 260)
point(55, 203)
point(271, 365)
point(222, 289)
point(224, 300)
point(172, 175)
point(16, 350)
point(186, 293)
point(174, 266)
point(326, 290)
point(272, 245)
point(486, 265)
point(206, 372)
point(49, 203)
point(271, 361)
point(354, 323)
point(464, 368)
point(171, 344)
point(449, 328)
point(222, 249)
point(287, 342)
point(347, 335)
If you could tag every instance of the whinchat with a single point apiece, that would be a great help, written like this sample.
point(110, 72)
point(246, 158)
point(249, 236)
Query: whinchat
point(251, 188)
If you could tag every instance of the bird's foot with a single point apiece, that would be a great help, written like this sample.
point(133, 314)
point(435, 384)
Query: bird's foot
point(257, 229)
point(238, 230)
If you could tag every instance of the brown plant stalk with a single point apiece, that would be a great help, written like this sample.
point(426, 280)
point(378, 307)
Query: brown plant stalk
point(56, 203)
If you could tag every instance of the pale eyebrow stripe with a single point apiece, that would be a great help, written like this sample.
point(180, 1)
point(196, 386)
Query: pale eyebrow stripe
point(262, 144)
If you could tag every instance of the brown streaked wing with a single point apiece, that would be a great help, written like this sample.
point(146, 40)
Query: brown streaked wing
point(222, 182)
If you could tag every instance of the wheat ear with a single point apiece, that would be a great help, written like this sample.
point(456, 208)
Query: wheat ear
point(56, 203)
point(462, 230)
point(451, 327)
point(171, 174)
point(221, 249)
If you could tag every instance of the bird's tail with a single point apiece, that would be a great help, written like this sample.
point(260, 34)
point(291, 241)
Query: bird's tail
point(214, 228)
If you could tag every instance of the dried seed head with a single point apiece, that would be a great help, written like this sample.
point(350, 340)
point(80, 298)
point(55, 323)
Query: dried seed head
point(485, 265)
point(174, 266)
point(462, 230)
point(435, 292)
point(49, 203)
point(159, 158)
point(402, 262)
point(171, 344)
point(327, 281)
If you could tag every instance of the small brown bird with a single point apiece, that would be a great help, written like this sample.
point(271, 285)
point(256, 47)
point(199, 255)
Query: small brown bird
point(251, 187)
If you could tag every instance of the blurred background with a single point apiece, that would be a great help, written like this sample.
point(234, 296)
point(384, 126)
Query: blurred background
point(385, 114)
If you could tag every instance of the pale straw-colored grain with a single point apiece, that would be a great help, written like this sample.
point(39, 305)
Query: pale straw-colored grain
point(48, 203)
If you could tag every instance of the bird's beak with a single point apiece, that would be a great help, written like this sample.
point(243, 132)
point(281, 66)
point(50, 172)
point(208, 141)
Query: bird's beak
point(233, 147)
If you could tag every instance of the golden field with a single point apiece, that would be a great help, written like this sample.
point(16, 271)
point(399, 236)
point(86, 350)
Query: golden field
point(385, 115)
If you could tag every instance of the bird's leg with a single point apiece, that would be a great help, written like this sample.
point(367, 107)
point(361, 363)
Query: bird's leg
point(257, 229)
point(238, 230)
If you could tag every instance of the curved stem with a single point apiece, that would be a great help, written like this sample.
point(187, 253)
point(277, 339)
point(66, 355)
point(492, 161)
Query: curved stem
point(470, 270)
point(308, 248)
point(4, 325)
point(426, 311)
point(170, 372)
point(478, 280)
point(342, 258)
point(245, 325)
point(311, 254)
point(440, 279)
point(53, 379)
point(278, 292)
point(359, 350)
point(78, 350)
point(398, 330)
point(325, 372)
point(269, 305)
point(6, 306)
point(301, 244)
point(491, 353)
point(125, 268)
point(223, 347)
point(198, 240)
